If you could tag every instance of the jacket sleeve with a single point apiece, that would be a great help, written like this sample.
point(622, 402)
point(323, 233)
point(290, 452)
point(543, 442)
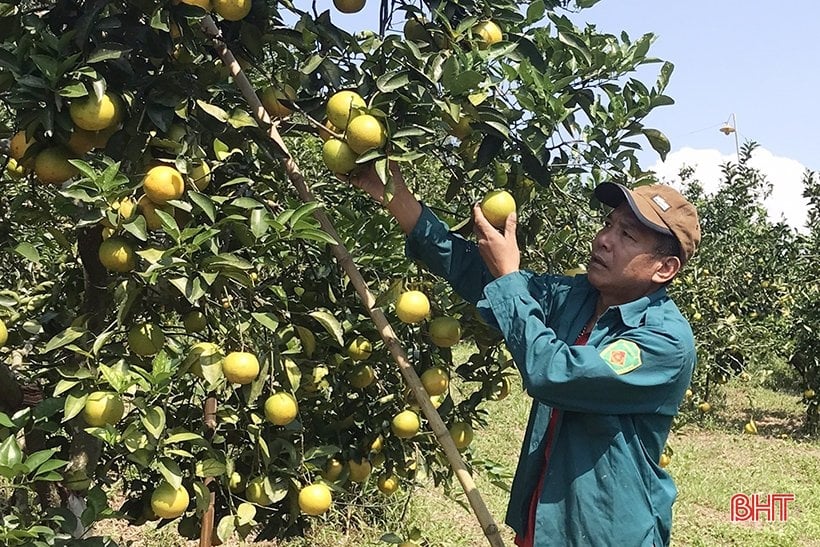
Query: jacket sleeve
point(649, 377)
point(448, 255)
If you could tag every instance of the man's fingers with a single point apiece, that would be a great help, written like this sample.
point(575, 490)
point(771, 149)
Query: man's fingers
point(510, 226)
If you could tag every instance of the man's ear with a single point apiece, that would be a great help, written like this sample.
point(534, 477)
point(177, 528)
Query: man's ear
point(668, 268)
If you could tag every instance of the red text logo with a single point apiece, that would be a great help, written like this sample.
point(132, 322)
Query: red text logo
point(771, 507)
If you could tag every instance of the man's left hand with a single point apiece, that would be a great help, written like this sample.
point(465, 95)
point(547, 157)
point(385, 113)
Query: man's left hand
point(499, 250)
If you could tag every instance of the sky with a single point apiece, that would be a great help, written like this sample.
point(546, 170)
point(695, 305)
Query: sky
point(752, 63)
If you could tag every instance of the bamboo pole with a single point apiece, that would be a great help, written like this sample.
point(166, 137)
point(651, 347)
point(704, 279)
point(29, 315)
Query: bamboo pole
point(206, 532)
point(485, 519)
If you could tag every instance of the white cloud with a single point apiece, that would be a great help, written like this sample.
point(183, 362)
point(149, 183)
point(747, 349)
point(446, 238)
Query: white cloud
point(786, 176)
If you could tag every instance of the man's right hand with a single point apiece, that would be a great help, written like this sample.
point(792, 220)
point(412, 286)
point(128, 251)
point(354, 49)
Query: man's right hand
point(404, 206)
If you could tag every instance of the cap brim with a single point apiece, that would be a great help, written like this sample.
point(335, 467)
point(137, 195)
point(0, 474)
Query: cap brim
point(613, 194)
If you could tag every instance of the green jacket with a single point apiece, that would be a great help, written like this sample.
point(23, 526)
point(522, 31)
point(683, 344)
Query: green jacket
point(615, 397)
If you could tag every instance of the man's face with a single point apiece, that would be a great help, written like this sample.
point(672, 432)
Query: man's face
point(623, 260)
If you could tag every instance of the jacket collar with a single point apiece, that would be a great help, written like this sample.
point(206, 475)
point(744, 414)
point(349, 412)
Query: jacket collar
point(633, 313)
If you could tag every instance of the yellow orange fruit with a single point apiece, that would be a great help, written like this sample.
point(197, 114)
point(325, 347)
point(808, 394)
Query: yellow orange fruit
point(103, 408)
point(117, 255)
point(365, 132)
point(501, 389)
point(327, 130)
point(202, 354)
point(4, 334)
point(232, 10)
point(194, 321)
point(488, 33)
point(163, 183)
point(338, 156)
point(359, 349)
point(343, 107)
point(412, 307)
point(52, 167)
point(240, 367)
point(462, 128)
point(148, 209)
point(405, 424)
point(92, 114)
point(388, 483)
point(315, 499)
point(359, 470)
point(435, 380)
point(497, 206)
point(145, 339)
point(19, 145)
point(200, 175)
point(204, 4)
point(333, 469)
point(168, 502)
point(256, 492)
point(349, 6)
point(361, 376)
point(271, 100)
point(462, 434)
point(445, 331)
point(664, 460)
point(236, 483)
point(281, 408)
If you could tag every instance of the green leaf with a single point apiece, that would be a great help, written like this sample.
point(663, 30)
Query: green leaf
point(240, 118)
point(316, 235)
point(170, 472)
point(210, 467)
point(28, 251)
point(154, 421)
point(183, 436)
point(267, 320)
point(330, 323)
point(393, 81)
point(204, 203)
point(10, 452)
point(64, 338)
point(74, 404)
point(658, 142)
point(36, 459)
point(213, 110)
point(245, 513)
point(107, 52)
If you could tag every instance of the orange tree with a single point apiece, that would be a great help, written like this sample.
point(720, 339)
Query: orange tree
point(804, 352)
point(741, 289)
point(173, 324)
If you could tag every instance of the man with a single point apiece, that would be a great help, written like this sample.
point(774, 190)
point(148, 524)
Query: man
point(606, 357)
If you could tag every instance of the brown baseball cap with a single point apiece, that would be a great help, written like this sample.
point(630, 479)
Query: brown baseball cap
point(659, 207)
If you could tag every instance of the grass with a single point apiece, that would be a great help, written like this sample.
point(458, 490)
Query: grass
point(712, 460)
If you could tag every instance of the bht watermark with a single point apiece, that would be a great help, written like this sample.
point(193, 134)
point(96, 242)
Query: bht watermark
point(751, 507)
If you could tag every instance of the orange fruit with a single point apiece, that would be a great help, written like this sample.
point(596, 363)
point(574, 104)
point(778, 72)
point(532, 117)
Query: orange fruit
point(51, 166)
point(145, 339)
point(117, 255)
point(412, 307)
point(462, 434)
point(103, 408)
point(93, 115)
point(405, 424)
point(240, 367)
point(315, 499)
point(338, 156)
point(344, 106)
point(168, 502)
point(445, 332)
point(359, 349)
point(349, 6)
point(365, 132)
point(163, 183)
point(488, 33)
point(435, 380)
point(497, 206)
point(232, 10)
point(281, 408)
point(271, 100)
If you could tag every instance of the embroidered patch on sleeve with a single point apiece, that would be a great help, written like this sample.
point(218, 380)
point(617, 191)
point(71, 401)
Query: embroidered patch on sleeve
point(622, 356)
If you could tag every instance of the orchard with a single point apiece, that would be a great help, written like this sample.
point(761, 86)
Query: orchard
point(175, 328)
